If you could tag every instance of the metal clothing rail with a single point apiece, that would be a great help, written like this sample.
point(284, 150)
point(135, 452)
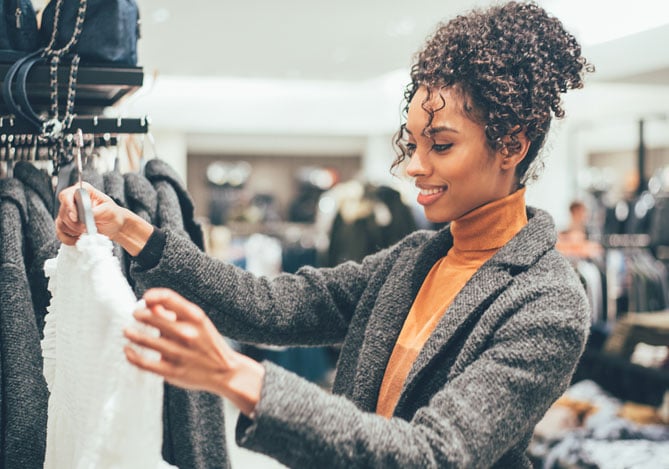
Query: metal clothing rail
point(88, 125)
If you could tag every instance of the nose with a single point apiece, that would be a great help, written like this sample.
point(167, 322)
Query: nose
point(417, 166)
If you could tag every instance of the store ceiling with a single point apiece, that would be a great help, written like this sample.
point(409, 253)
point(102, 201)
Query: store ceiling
point(291, 39)
point(317, 40)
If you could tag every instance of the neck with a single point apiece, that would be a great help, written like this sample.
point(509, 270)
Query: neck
point(492, 225)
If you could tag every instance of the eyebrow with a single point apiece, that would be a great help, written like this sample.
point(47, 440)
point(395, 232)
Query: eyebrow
point(435, 130)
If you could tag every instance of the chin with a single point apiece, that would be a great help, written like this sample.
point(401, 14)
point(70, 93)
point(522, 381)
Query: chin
point(437, 217)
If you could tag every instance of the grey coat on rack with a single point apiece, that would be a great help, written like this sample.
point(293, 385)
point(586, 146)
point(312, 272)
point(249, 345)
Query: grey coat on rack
point(23, 391)
point(516, 330)
point(40, 235)
point(175, 205)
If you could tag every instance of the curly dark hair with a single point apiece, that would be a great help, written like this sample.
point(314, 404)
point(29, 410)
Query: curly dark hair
point(510, 64)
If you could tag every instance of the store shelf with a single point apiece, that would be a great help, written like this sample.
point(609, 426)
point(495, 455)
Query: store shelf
point(98, 86)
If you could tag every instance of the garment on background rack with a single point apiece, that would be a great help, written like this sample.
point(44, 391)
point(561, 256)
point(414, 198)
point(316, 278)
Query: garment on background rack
point(368, 218)
point(102, 411)
point(175, 206)
point(637, 282)
point(193, 421)
point(23, 391)
point(40, 234)
point(594, 288)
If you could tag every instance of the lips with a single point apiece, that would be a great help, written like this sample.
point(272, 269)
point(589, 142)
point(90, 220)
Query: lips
point(429, 195)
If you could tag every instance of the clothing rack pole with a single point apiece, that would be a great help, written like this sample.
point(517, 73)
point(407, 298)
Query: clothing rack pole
point(87, 124)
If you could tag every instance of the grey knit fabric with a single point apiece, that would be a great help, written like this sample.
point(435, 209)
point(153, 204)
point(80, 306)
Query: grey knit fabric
point(23, 389)
point(40, 233)
point(193, 421)
point(114, 187)
point(502, 353)
point(141, 196)
point(175, 206)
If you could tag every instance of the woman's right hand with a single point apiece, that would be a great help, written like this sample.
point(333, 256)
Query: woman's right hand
point(109, 217)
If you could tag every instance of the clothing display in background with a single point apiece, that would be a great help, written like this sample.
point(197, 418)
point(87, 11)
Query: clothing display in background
point(588, 427)
point(366, 218)
point(193, 422)
point(637, 282)
point(594, 281)
point(103, 412)
point(23, 391)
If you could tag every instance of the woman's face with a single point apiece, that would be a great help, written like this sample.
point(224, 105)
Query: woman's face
point(454, 170)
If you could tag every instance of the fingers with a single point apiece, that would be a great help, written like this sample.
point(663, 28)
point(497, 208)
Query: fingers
point(177, 331)
point(168, 349)
point(107, 214)
point(159, 367)
point(68, 233)
point(68, 227)
point(171, 300)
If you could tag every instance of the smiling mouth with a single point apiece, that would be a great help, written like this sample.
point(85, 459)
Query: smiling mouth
point(429, 196)
point(432, 191)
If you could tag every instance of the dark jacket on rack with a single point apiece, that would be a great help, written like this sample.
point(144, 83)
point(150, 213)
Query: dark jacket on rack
point(23, 391)
point(502, 353)
point(141, 196)
point(40, 233)
point(114, 187)
point(193, 421)
point(175, 206)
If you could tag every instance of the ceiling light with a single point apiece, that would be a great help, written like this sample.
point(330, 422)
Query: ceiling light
point(161, 15)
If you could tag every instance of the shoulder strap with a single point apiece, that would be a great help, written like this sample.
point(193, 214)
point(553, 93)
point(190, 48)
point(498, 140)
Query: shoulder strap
point(22, 109)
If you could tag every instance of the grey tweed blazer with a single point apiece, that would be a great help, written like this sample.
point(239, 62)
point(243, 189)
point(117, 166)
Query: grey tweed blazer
point(502, 353)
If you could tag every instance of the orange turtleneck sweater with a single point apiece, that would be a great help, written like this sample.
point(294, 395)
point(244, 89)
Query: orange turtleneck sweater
point(477, 236)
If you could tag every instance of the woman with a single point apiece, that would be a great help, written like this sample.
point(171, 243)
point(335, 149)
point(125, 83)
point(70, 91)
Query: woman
point(454, 343)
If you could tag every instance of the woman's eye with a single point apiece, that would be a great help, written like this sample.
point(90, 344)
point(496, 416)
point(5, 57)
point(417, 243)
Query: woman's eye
point(442, 148)
point(411, 148)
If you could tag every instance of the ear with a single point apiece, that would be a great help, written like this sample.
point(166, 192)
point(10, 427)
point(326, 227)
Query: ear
point(511, 160)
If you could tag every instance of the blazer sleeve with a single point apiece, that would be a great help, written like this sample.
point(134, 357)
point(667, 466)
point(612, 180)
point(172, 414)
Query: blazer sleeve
point(310, 307)
point(487, 408)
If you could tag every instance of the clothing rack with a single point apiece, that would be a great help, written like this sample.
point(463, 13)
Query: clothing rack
point(640, 240)
point(88, 125)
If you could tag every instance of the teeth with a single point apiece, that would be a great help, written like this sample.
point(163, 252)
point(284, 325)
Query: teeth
point(431, 191)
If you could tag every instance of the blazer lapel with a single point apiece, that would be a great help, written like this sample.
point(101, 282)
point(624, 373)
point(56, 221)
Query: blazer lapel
point(390, 311)
point(466, 309)
point(486, 284)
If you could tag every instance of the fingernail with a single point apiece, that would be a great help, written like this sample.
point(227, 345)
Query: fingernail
point(73, 216)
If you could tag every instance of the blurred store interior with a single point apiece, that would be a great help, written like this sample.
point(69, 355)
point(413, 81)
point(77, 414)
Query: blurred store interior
point(279, 116)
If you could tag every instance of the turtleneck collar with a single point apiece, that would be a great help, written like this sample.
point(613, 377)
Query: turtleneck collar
point(492, 225)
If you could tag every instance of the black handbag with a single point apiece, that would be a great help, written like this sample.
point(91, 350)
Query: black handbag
point(18, 29)
point(110, 31)
point(97, 30)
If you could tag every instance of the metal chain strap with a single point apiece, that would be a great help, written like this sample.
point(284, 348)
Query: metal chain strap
point(54, 126)
point(53, 84)
point(71, 91)
point(78, 28)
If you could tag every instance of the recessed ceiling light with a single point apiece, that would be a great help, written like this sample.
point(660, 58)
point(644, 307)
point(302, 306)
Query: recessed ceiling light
point(160, 15)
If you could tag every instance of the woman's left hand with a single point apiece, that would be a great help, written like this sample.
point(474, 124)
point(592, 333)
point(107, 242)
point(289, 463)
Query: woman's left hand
point(193, 354)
